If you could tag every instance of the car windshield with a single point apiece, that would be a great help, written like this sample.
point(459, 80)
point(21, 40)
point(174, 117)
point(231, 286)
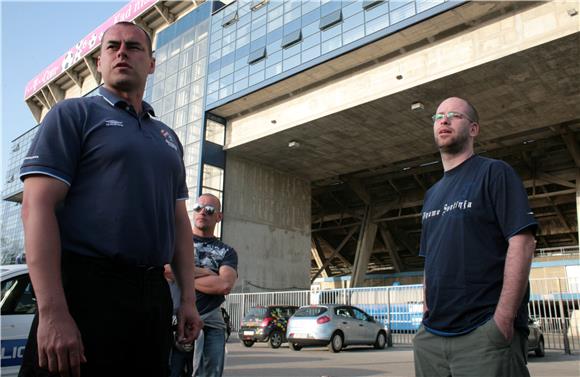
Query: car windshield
point(254, 313)
point(310, 311)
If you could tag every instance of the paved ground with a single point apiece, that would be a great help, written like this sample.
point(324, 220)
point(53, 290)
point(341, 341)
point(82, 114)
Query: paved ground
point(260, 360)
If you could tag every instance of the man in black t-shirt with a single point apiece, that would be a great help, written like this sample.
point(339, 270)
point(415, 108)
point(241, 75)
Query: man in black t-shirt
point(478, 242)
point(216, 267)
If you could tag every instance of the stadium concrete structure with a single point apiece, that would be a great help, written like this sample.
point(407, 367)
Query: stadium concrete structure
point(311, 119)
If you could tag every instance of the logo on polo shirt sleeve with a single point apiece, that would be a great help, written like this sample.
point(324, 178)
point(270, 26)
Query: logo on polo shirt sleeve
point(168, 139)
point(113, 123)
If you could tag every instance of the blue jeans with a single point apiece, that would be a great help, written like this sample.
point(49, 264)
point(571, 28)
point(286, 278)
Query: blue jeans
point(210, 353)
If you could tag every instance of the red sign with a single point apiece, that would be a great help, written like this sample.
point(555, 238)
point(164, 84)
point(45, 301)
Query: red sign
point(86, 45)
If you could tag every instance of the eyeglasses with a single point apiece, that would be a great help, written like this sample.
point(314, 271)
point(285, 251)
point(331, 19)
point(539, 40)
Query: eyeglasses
point(209, 210)
point(450, 116)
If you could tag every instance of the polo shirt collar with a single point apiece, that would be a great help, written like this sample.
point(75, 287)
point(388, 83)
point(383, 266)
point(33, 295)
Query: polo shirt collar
point(115, 100)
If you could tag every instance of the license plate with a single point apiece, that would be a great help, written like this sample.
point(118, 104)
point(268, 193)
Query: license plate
point(248, 333)
point(299, 335)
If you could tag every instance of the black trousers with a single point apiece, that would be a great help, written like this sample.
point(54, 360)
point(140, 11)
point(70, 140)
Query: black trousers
point(123, 314)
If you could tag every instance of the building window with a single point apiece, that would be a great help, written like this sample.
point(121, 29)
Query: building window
point(257, 4)
point(331, 19)
point(257, 55)
point(230, 19)
point(368, 4)
point(292, 38)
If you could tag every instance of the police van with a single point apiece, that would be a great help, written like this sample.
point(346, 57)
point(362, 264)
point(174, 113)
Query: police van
point(18, 307)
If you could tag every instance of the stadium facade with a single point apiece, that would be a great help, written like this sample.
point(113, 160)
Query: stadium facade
point(311, 120)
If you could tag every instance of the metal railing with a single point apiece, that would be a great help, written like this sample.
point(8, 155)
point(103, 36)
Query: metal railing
point(554, 305)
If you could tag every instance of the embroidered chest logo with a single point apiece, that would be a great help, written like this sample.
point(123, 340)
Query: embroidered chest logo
point(168, 139)
point(113, 123)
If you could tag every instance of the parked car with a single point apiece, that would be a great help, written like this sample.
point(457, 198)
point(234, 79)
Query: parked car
point(18, 306)
point(335, 326)
point(266, 324)
point(535, 339)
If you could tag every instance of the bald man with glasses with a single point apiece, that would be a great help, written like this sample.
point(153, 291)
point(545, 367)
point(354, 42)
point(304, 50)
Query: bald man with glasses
point(478, 242)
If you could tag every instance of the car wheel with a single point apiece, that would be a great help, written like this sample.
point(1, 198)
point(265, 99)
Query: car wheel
point(295, 346)
point(381, 341)
point(336, 342)
point(540, 351)
point(248, 343)
point(275, 339)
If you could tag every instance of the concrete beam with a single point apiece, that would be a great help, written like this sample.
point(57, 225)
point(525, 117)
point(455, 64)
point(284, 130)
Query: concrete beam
point(571, 145)
point(35, 109)
point(364, 249)
point(74, 77)
point(578, 202)
point(164, 13)
point(335, 253)
point(391, 248)
point(92, 66)
point(319, 258)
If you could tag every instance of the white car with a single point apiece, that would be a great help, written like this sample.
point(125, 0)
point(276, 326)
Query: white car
point(18, 307)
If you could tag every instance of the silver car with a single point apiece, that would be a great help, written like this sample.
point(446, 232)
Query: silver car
point(334, 326)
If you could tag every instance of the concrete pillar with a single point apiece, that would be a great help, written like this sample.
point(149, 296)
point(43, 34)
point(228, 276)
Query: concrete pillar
point(267, 220)
point(578, 204)
point(364, 249)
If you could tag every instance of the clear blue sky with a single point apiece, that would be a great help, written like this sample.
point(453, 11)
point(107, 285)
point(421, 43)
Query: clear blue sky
point(33, 35)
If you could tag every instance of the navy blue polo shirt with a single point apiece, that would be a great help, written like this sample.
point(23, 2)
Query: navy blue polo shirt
point(468, 218)
point(124, 171)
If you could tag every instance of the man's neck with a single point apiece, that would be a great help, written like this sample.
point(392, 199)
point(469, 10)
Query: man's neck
point(451, 161)
point(134, 98)
point(203, 233)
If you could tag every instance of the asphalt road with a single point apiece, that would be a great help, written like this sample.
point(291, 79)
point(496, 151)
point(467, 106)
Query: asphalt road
point(260, 360)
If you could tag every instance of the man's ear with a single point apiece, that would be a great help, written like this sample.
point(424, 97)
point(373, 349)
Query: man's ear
point(474, 129)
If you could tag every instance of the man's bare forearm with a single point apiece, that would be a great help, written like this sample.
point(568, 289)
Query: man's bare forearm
point(516, 274)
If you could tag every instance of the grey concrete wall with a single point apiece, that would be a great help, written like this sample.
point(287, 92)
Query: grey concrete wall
point(267, 220)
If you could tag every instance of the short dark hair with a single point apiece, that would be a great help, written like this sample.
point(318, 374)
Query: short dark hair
point(127, 23)
point(473, 114)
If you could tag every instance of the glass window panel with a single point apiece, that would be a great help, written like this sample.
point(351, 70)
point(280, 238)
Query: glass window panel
point(227, 80)
point(241, 73)
point(228, 49)
point(158, 91)
point(309, 5)
point(352, 22)
point(213, 86)
point(213, 56)
point(161, 54)
point(168, 104)
point(195, 111)
point(240, 85)
point(291, 51)
point(187, 39)
point(241, 63)
point(377, 11)
point(257, 67)
point(256, 78)
point(331, 33)
point(352, 9)
point(186, 58)
point(311, 53)
point(191, 154)
point(213, 76)
point(291, 62)
point(289, 5)
point(174, 47)
point(291, 38)
point(159, 74)
point(198, 69)
point(193, 132)
point(423, 5)
point(369, 4)
point(311, 28)
point(258, 22)
point(227, 91)
point(230, 18)
point(330, 7)
point(331, 44)
point(257, 55)
point(170, 84)
point(245, 19)
point(273, 47)
point(291, 26)
point(172, 65)
point(402, 13)
point(275, 24)
point(215, 132)
point(213, 177)
point(399, 3)
point(354, 34)
point(377, 24)
point(258, 33)
point(274, 58)
point(274, 70)
point(243, 30)
point(228, 69)
point(292, 14)
point(180, 118)
point(275, 12)
point(200, 49)
point(196, 90)
point(259, 7)
point(184, 77)
point(258, 43)
point(182, 96)
point(243, 40)
point(330, 20)
point(212, 97)
point(229, 37)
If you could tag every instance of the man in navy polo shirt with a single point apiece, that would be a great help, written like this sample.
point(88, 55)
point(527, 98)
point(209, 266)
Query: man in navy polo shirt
point(103, 211)
point(478, 242)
